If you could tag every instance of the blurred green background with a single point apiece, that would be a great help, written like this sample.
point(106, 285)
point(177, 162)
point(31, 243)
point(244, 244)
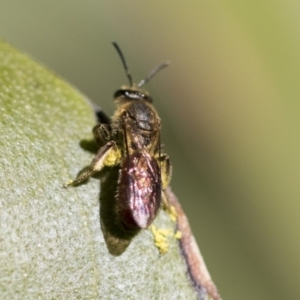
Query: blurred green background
point(230, 109)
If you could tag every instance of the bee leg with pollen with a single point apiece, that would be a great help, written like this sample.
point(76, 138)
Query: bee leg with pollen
point(109, 155)
point(166, 173)
point(165, 169)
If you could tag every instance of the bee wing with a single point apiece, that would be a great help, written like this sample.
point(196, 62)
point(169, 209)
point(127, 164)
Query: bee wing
point(139, 193)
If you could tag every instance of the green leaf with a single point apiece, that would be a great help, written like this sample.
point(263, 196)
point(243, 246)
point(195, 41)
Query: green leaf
point(51, 241)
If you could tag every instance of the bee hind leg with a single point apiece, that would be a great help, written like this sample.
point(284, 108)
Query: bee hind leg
point(165, 169)
point(166, 173)
point(108, 155)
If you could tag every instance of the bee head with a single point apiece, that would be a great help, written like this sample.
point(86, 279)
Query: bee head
point(131, 93)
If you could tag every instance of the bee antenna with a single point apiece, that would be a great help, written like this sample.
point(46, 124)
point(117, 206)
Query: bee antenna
point(152, 73)
point(124, 62)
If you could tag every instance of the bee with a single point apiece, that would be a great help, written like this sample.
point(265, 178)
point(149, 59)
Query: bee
point(131, 141)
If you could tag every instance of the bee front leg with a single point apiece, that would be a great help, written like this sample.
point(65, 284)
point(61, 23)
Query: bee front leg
point(102, 134)
point(108, 155)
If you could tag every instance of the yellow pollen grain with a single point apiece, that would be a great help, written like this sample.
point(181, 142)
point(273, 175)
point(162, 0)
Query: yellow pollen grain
point(178, 235)
point(172, 213)
point(160, 238)
point(112, 158)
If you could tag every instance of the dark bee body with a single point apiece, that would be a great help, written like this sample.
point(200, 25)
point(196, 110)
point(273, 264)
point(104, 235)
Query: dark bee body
point(135, 128)
point(131, 140)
